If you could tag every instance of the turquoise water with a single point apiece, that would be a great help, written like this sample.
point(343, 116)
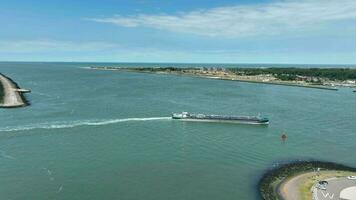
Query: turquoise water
point(107, 135)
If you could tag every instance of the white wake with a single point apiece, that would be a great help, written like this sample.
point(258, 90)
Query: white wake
point(72, 124)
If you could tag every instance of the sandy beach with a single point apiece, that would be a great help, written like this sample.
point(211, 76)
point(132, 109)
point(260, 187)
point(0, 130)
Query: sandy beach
point(12, 97)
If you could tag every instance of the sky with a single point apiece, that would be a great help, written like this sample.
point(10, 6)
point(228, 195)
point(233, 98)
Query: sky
point(187, 31)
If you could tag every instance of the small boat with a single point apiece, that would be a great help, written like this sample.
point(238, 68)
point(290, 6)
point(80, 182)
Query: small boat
point(220, 118)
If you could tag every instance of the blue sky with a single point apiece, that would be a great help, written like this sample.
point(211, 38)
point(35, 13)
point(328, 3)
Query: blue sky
point(199, 31)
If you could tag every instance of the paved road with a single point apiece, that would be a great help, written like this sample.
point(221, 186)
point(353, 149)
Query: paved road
point(334, 188)
point(12, 97)
point(290, 189)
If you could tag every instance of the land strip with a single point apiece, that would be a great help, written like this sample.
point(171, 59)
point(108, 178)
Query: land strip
point(10, 94)
point(318, 78)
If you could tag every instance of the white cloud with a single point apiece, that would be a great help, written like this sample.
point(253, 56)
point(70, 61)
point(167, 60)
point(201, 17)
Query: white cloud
point(273, 18)
point(27, 46)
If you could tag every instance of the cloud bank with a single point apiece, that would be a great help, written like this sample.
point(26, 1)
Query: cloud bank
point(27, 46)
point(275, 18)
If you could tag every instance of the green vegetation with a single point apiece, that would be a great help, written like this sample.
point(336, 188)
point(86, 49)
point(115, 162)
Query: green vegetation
point(293, 73)
point(271, 180)
point(1, 93)
point(286, 77)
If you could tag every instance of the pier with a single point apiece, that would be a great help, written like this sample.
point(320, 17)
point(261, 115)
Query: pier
point(12, 96)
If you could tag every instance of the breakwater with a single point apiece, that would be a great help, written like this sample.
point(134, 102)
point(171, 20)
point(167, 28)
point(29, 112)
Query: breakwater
point(1, 93)
point(11, 96)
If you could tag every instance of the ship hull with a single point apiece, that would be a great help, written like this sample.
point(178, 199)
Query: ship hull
point(185, 116)
point(223, 121)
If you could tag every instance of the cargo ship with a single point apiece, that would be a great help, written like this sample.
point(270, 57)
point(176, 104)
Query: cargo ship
point(220, 118)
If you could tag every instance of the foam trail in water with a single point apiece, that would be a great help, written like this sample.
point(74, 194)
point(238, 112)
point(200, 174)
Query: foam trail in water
point(114, 121)
point(60, 125)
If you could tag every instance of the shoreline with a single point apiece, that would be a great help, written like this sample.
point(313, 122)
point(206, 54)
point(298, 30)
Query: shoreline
point(219, 76)
point(12, 94)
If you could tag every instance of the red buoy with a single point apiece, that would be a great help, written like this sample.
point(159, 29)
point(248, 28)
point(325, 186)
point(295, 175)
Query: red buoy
point(284, 137)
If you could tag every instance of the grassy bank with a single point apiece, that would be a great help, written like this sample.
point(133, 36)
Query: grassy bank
point(270, 182)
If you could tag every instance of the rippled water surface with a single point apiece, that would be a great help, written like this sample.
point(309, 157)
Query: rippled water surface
point(107, 135)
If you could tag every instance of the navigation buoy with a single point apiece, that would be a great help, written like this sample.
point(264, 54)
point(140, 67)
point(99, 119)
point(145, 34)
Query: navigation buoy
point(284, 137)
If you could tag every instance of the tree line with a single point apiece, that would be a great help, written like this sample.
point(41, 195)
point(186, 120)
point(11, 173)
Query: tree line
point(292, 73)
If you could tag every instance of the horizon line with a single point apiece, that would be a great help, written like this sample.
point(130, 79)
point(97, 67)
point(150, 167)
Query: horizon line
point(157, 62)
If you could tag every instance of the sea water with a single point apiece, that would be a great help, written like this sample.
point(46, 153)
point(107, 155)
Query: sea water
point(92, 134)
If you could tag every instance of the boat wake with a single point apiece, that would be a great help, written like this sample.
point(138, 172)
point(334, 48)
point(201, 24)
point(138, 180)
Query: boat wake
point(72, 124)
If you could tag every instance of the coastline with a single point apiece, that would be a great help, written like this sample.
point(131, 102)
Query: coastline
point(12, 94)
point(194, 72)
